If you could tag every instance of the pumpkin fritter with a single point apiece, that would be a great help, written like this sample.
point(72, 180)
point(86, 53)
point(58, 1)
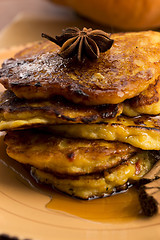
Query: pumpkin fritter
point(120, 73)
point(147, 102)
point(65, 156)
point(21, 113)
point(100, 184)
point(142, 132)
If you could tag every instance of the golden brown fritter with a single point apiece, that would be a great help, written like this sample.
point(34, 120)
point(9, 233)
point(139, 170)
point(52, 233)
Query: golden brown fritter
point(142, 132)
point(120, 73)
point(147, 102)
point(100, 184)
point(21, 113)
point(65, 156)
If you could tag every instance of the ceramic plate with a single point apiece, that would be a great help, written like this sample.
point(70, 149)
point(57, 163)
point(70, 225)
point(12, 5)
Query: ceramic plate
point(31, 211)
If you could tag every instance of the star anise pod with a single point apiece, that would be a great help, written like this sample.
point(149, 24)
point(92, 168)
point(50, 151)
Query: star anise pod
point(87, 42)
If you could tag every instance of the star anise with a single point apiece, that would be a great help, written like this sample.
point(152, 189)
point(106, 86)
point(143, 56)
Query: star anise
point(87, 42)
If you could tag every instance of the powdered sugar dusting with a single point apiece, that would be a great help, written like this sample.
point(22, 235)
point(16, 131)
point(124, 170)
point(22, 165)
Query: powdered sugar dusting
point(44, 64)
point(39, 66)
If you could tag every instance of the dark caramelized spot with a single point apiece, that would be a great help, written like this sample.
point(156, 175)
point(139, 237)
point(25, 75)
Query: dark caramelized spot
point(71, 156)
point(38, 84)
point(138, 167)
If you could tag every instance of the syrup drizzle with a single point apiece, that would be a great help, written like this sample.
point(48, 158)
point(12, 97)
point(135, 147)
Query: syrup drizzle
point(117, 208)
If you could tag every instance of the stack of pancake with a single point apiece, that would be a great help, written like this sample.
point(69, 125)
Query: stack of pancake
point(92, 128)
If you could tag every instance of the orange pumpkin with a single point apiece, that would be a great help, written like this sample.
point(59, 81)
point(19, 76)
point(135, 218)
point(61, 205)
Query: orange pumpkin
point(123, 14)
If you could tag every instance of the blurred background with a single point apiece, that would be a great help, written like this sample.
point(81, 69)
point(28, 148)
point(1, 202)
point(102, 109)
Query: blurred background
point(22, 21)
point(10, 8)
